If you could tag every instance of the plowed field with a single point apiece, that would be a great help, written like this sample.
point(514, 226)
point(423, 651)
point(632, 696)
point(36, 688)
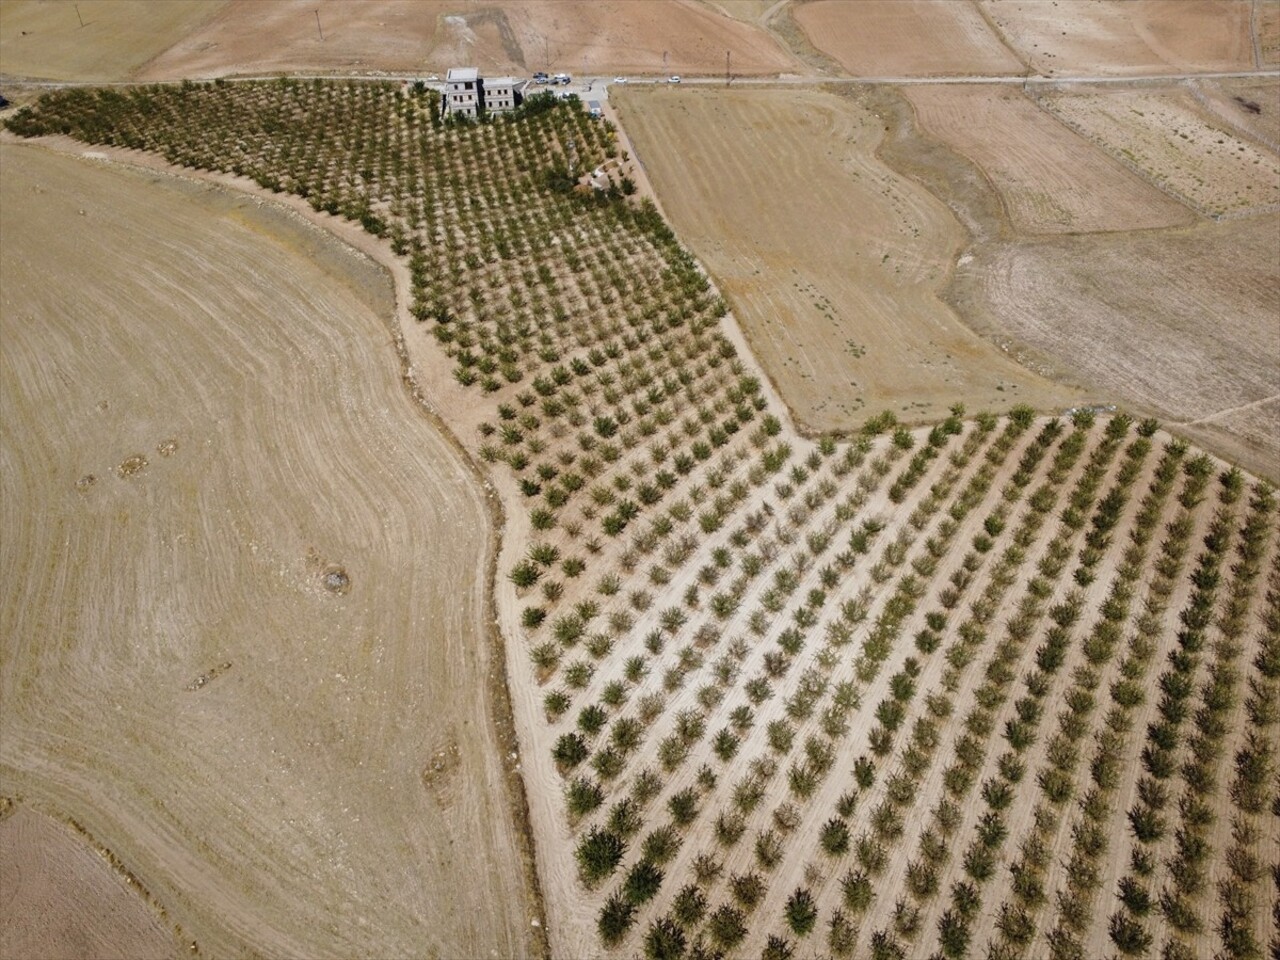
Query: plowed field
point(241, 629)
point(832, 262)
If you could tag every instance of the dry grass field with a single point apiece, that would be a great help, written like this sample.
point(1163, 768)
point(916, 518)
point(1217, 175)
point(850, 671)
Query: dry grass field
point(60, 900)
point(906, 38)
point(833, 263)
point(1126, 37)
point(44, 38)
point(1169, 139)
point(1051, 179)
point(622, 36)
point(1178, 322)
point(244, 615)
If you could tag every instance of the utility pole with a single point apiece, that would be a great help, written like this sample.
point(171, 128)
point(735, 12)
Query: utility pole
point(78, 17)
point(319, 29)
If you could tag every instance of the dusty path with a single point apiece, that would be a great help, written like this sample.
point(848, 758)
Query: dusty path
point(292, 763)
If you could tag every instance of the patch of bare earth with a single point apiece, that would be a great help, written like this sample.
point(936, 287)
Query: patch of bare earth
point(1172, 141)
point(254, 665)
point(94, 39)
point(1126, 37)
point(832, 261)
point(1251, 107)
point(623, 36)
point(1051, 179)
point(906, 38)
point(62, 898)
point(1179, 322)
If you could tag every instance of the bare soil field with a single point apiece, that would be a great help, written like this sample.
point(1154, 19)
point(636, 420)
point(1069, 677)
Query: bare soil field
point(624, 36)
point(244, 622)
point(832, 262)
point(45, 39)
point(1126, 37)
point(1170, 139)
point(906, 38)
point(1051, 179)
point(1251, 107)
point(1178, 322)
point(60, 899)
point(749, 11)
point(1267, 32)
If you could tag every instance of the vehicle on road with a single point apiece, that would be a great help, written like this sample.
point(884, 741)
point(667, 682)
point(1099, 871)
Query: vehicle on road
point(561, 78)
point(619, 79)
point(673, 79)
point(540, 77)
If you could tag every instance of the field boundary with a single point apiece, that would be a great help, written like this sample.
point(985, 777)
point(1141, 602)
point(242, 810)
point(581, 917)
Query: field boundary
point(9, 806)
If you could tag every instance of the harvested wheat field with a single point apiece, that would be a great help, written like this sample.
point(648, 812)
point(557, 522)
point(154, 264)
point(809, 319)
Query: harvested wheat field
point(1179, 322)
point(832, 262)
point(1126, 37)
point(1170, 140)
point(1051, 179)
point(906, 38)
point(44, 38)
point(243, 632)
point(253, 36)
point(59, 898)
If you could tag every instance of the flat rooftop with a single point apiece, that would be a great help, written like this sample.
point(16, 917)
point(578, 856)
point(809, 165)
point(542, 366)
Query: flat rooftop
point(462, 75)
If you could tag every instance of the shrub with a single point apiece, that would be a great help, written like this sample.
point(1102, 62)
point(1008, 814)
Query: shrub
point(801, 912)
point(599, 854)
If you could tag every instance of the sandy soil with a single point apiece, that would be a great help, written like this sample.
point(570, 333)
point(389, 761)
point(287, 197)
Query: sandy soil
point(906, 38)
point(288, 768)
point(1251, 107)
point(1267, 32)
point(60, 899)
point(1174, 143)
point(831, 261)
point(1051, 179)
point(1126, 37)
point(615, 36)
point(44, 38)
point(1181, 322)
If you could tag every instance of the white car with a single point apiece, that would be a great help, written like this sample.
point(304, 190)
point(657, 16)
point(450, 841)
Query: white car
point(673, 79)
point(619, 79)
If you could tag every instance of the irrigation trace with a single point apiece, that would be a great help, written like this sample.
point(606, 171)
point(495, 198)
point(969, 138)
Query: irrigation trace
point(993, 687)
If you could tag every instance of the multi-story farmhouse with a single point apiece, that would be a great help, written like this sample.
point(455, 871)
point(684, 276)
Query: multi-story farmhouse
point(469, 94)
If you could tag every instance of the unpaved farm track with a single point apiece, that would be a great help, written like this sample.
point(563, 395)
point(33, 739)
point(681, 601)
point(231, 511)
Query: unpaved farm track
point(202, 418)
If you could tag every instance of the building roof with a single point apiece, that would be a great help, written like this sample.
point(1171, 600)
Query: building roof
point(462, 75)
point(501, 81)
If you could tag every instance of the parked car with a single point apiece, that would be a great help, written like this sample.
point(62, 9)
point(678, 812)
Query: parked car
point(619, 79)
point(673, 79)
point(540, 77)
point(561, 78)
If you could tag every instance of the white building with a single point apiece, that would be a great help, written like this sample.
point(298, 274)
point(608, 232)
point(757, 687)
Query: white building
point(462, 92)
point(502, 93)
point(469, 94)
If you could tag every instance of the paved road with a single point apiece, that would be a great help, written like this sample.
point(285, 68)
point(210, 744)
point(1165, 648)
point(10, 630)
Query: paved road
point(597, 87)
